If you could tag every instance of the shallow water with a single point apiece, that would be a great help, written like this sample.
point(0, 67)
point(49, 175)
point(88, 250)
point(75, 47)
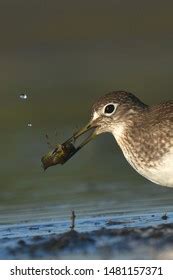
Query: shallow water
point(132, 236)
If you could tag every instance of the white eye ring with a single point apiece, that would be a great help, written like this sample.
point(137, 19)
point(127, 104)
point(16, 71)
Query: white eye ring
point(109, 109)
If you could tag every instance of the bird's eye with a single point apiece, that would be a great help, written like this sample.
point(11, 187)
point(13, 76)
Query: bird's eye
point(109, 109)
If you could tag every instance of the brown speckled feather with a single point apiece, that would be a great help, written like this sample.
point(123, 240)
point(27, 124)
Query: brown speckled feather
point(144, 133)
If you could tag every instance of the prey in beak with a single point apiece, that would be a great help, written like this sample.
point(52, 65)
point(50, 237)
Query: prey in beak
point(63, 152)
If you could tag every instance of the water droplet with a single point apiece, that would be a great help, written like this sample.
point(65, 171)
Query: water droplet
point(29, 124)
point(23, 96)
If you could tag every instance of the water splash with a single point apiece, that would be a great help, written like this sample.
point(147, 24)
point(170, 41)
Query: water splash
point(23, 96)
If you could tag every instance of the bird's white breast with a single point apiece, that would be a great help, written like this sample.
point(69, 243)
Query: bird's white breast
point(161, 173)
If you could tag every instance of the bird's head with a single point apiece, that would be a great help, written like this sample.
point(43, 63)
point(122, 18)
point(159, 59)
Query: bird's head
point(111, 113)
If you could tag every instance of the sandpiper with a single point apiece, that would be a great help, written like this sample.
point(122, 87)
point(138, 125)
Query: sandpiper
point(144, 133)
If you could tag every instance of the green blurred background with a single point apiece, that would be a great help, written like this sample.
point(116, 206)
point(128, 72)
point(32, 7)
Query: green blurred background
point(64, 55)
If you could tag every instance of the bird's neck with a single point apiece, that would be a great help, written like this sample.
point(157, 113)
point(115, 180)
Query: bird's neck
point(129, 136)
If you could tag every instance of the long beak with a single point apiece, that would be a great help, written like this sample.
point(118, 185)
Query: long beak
point(82, 131)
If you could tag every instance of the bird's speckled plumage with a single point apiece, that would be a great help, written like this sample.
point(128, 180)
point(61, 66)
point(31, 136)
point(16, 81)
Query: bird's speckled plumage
point(144, 133)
